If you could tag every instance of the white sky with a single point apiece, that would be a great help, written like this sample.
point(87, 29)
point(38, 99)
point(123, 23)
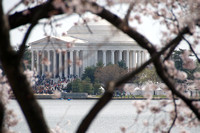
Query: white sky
point(149, 28)
point(38, 31)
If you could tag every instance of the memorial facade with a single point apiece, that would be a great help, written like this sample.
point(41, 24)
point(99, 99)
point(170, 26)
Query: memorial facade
point(84, 46)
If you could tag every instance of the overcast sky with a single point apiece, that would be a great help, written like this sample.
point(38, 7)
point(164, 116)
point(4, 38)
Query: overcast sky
point(149, 28)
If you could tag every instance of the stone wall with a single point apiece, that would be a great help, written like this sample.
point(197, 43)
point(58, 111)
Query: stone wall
point(66, 95)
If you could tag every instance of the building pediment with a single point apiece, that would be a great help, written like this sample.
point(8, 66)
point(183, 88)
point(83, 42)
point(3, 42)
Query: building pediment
point(56, 40)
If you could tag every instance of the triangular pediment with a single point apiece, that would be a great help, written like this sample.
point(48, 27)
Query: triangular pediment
point(57, 40)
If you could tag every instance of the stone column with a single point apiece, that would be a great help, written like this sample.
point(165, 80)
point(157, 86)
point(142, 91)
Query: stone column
point(134, 59)
point(84, 59)
point(127, 58)
point(113, 56)
point(48, 67)
point(38, 62)
point(95, 57)
point(66, 64)
point(144, 56)
point(138, 58)
point(81, 58)
point(77, 65)
point(54, 64)
point(120, 55)
point(60, 64)
point(131, 59)
point(104, 57)
point(32, 60)
point(71, 62)
point(141, 59)
point(43, 67)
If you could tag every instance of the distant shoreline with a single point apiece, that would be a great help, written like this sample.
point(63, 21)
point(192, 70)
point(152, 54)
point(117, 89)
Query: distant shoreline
point(52, 96)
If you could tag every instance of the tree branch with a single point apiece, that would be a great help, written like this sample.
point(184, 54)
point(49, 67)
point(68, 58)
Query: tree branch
point(21, 18)
point(18, 81)
point(119, 23)
point(175, 110)
point(95, 110)
point(142, 41)
point(108, 94)
point(1, 116)
point(34, 21)
point(23, 45)
point(15, 6)
point(128, 13)
point(191, 48)
point(176, 41)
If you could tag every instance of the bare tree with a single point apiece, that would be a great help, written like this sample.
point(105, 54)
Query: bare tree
point(109, 73)
point(181, 19)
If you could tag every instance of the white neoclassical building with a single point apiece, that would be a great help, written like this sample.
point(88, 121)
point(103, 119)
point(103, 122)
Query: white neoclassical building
point(83, 47)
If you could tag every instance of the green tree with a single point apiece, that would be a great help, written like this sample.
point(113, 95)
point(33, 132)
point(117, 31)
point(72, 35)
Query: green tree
point(68, 88)
point(83, 86)
point(76, 86)
point(87, 86)
point(122, 64)
point(99, 64)
point(89, 73)
point(96, 87)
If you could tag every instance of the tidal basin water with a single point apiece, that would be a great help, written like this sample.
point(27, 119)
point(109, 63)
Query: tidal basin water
point(117, 114)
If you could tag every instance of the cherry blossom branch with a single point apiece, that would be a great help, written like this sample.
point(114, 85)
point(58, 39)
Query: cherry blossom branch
point(175, 110)
point(18, 81)
point(145, 43)
point(111, 85)
point(24, 17)
point(191, 48)
point(178, 39)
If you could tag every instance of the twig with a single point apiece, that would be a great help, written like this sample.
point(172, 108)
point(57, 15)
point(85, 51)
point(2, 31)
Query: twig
point(86, 24)
point(170, 52)
point(23, 45)
point(191, 48)
point(175, 110)
point(178, 39)
point(15, 6)
point(128, 13)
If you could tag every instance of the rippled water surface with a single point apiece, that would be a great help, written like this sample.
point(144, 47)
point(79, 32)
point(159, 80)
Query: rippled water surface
point(68, 115)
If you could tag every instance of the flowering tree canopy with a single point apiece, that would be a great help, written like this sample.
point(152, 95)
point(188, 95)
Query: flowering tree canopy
point(180, 20)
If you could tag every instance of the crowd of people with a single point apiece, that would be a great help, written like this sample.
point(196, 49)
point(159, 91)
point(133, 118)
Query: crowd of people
point(45, 85)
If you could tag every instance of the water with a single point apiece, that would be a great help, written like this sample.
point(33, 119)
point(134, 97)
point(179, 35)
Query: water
point(68, 115)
